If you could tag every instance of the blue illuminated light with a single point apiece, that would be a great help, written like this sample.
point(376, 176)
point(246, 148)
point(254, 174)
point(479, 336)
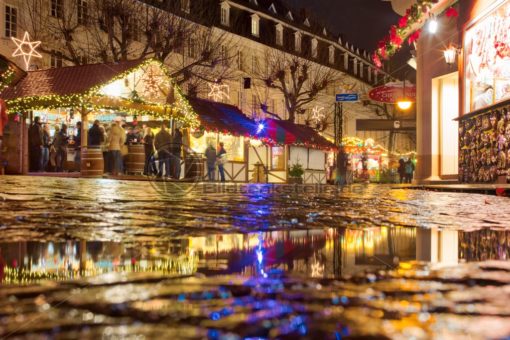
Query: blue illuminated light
point(260, 128)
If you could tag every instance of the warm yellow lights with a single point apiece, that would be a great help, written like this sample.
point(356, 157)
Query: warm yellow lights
point(449, 55)
point(404, 104)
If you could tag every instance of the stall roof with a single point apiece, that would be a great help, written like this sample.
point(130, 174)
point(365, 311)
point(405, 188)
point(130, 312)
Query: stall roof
point(67, 80)
point(285, 132)
point(223, 118)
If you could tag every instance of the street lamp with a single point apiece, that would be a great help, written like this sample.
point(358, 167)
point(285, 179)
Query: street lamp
point(404, 103)
point(449, 55)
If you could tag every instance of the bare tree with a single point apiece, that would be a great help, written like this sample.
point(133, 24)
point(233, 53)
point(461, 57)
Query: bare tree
point(119, 30)
point(299, 80)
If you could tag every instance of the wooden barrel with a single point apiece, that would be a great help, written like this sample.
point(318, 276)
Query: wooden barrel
point(194, 167)
point(92, 162)
point(135, 161)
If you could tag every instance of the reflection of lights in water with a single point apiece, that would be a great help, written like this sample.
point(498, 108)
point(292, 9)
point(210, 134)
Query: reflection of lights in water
point(317, 268)
point(260, 256)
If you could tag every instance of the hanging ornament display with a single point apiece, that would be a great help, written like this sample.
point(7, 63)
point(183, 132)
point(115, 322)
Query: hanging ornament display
point(26, 49)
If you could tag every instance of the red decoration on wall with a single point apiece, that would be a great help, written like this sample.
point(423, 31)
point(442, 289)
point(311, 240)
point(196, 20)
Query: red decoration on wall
point(452, 13)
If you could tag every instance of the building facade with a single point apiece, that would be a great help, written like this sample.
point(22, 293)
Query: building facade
point(248, 35)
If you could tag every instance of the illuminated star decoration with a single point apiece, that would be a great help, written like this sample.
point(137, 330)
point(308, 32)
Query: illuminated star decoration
point(317, 114)
point(218, 92)
point(26, 49)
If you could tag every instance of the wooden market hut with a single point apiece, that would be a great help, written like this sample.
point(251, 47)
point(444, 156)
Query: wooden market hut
point(136, 89)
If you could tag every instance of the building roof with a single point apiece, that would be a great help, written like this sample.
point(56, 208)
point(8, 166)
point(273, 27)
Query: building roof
point(285, 132)
point(66, 80)
point(223, 118)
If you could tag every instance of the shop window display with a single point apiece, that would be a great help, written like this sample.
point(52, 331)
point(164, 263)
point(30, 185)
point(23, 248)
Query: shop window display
point(233, 144)
point(487, 60)
point(277, 158)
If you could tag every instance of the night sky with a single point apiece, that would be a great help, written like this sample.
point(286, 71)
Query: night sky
point(361, 22)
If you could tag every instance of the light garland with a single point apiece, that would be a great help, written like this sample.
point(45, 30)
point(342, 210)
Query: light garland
point(180, 110)
point(417, 13)
point(6, 77)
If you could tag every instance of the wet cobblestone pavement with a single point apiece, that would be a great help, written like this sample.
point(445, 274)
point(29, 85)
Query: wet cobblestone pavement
point(114, 260)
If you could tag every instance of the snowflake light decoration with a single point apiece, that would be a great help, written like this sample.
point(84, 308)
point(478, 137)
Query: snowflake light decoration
point(218, 92)
point(317, 114)
point(26, 49)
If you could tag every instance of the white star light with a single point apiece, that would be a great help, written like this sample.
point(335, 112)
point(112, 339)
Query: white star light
point(26, 49)
point(317, 114)
point(218, 92)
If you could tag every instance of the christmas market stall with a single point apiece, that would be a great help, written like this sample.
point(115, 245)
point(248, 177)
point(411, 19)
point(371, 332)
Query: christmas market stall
point(133, 91)
point(291, 153)
point(367, 160)
point(224, 123)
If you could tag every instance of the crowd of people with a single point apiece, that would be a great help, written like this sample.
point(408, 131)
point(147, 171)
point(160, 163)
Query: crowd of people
point(163, 150)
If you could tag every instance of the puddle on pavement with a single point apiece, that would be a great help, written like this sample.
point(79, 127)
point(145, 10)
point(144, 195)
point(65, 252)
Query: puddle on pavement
point(327, 284)
point(328, 253)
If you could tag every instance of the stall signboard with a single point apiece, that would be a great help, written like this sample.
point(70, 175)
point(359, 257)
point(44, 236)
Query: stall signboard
point(392, 92)
point(487, 58)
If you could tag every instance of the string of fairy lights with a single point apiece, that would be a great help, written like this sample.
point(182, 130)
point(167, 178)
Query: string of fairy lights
point(92, 99)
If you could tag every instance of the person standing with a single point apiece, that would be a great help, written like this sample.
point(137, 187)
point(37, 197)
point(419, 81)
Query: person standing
point(409, 166)
point(104, 148)
point(96, 135)
point(60, 144)
point(45, 151)
point(341, 174)
point(210, 156)
point(162, 143)
point(402, 170)
point(35, 135)
point(176, 153)
point(221, 160)
point(148, 144)
point(116, 139)
point(77, 146)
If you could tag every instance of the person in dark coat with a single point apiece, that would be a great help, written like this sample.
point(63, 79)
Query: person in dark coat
point(402, 170)
point(96, 135)
point(176, 154)
point(45, 156)
point(162, 143)
point(77, 145)
point(148, 143)
point(36, 142)
point(210, 155)
point(221, 160)
point(409, 170)
point(60, 145)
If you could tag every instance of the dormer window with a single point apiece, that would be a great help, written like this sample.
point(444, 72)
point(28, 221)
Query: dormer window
point(225, 14)
point(314, 48)
point(255, 25)
point(186, 6)
point(279, 35)
point(331, 54)
point(297, 41)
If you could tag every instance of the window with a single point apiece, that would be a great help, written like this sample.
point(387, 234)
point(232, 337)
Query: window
point(240, 61)
point(279, 35)
point(234, 146)
point(314, 48)
point(355, 66)
point(297, 41)
point(135, 29)
point(277, 158)
point(361, 69)
point(331, 55)
point(56, 59)
point(192, 52)
point(11, 21)
point(255, 22)
point(254, 64)
point(346, 61)
point(254, 107)
point(186, 6)
point(57, 8)
point(225, 14)
point(224, 55)
point(82, 12)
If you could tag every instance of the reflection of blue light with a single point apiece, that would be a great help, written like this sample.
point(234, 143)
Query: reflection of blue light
point(259, 256)
point(215, 316)
point(260, 128)
point(213, 334)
